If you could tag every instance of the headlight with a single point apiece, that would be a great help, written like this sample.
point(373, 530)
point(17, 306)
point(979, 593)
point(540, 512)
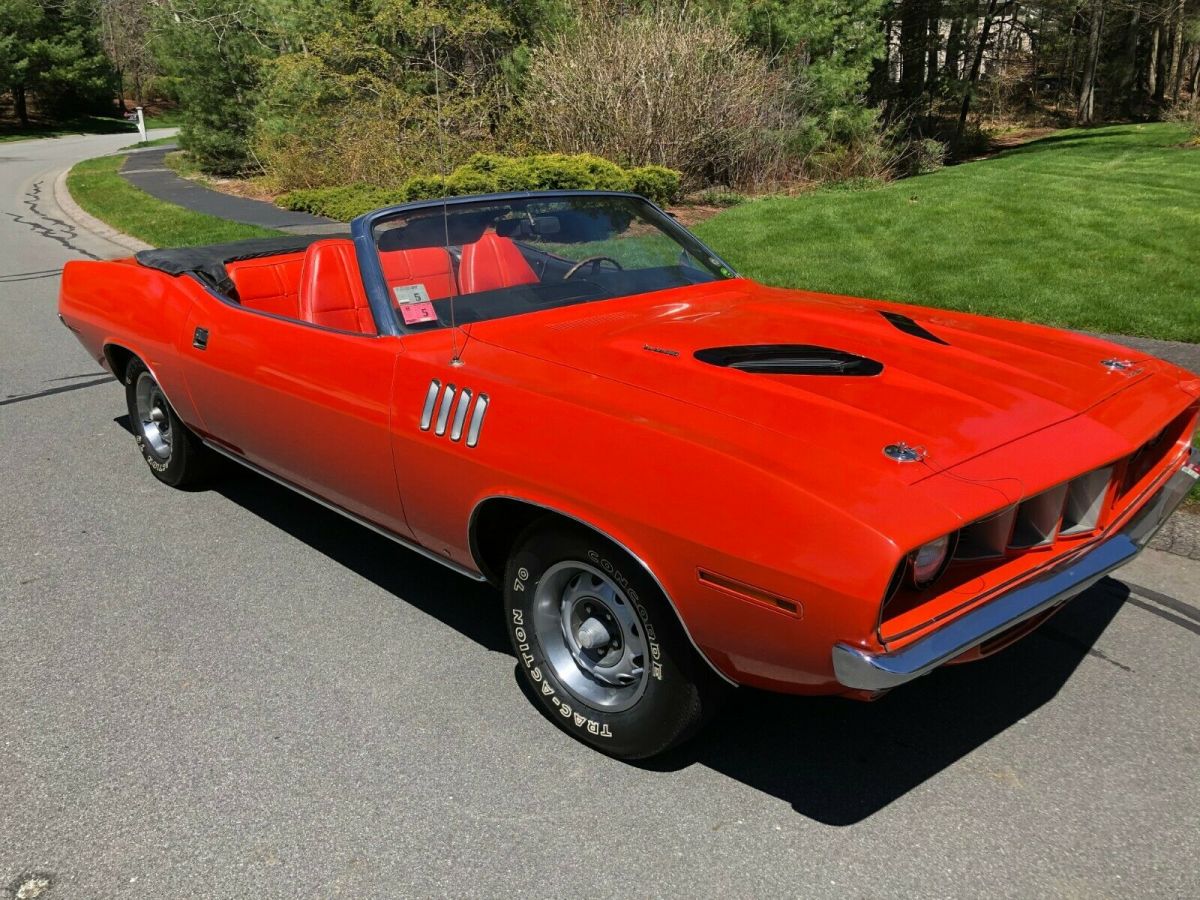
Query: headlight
point(929, 561)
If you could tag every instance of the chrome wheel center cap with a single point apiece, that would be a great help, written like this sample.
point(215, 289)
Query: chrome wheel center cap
point(592, 634)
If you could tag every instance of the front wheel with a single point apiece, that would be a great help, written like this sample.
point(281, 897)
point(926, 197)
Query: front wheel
point(600, 646)
point(174, 454)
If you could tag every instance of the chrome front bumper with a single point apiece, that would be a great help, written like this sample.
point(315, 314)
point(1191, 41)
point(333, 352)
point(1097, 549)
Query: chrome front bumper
point(866, 671)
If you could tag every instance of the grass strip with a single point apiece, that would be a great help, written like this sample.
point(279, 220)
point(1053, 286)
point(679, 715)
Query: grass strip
point(97, 186)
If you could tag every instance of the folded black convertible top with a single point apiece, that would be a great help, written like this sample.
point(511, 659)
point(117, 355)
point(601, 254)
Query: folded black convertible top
point(208, 263)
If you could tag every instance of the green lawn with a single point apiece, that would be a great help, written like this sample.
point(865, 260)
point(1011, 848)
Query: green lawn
point(100, 190)
point(156, 142)
point(166, 118)
point(1096, 229)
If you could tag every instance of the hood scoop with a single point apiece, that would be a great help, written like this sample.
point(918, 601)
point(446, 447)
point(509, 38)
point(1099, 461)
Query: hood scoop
point(789, 359)
point(910, 326)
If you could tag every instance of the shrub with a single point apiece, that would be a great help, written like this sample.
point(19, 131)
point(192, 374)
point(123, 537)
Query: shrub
point(516, 175)
point(925, 156)
point(343, 203)
point(486, 173)
point(1186, 112)
point(974, 142)
point(358, 99)
point(583, 172)
point(487, 163)
point(604, 175)
point(657, 183)
point(467, 181)
point(657, 87)
point(716, 196)
point(424, 187)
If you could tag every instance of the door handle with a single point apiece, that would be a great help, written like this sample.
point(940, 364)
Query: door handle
point(200, 339)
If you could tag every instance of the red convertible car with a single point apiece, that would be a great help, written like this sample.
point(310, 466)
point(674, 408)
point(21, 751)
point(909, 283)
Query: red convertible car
point(682, 480)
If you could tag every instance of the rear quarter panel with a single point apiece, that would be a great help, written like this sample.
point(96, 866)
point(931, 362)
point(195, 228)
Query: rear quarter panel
point(121, 304)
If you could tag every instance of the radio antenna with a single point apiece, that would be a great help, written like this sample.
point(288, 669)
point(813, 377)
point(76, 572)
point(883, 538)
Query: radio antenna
point(455, 358)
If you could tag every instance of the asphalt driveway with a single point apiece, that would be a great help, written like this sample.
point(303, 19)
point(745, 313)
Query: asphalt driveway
point(233, 693)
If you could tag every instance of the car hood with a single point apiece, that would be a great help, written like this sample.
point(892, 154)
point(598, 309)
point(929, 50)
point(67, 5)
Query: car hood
point(953, 385)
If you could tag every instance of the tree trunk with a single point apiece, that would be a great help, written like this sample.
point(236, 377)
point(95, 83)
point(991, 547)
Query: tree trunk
point(933, 45)
point(1175, 67)
point(1127, 85)
point(21, 107)
point(880, 78)
point(1066, 81)
point(1152, 62)
point(913, 29)
point(1085, 114)
point(976, 63)
point(1159, 74)
point(1035, 52)
point(954, 42)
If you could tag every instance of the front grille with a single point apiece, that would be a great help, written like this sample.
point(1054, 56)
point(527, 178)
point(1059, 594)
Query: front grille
point(1017, 539)
point(1149, 455)
point(1066, 510)
point(1038, 519)
point(1085, 500)
point(988, 538)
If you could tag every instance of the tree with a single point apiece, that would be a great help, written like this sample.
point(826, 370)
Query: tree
point(1085, 113)
point(829, 47)
point(213, 50)
point(914, 35)
point(125, 34)
point(20, 21)
point(382, 91)
point(985, 30)
point(49, 49)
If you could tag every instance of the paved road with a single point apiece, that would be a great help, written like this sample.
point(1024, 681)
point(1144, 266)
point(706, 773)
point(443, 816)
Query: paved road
point(230, 693)
point(148, 171)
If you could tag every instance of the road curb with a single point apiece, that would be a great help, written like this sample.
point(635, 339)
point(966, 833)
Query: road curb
point(88, 222)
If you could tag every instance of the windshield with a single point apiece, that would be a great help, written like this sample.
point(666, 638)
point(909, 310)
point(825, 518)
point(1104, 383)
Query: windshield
point(496, 258)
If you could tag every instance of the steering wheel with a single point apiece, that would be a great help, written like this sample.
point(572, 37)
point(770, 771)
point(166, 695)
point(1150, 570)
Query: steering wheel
point(595, 262)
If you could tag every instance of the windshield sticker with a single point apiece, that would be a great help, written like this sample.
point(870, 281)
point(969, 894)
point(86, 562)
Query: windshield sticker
point(416, 313)
point(414, 304)
point(410, 293)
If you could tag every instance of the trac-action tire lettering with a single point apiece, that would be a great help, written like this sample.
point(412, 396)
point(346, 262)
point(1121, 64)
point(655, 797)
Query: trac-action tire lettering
point(598, 647)
point(149, 457)
point(599, 729)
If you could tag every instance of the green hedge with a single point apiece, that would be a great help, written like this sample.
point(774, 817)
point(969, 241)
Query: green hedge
point(488, 173)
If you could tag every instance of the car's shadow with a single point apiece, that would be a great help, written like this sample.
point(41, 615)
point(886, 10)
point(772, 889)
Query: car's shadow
point(469, 607)
point(839, 761)
point(835, 761)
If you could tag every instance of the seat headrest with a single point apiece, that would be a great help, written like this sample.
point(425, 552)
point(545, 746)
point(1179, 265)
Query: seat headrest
point(331, 290)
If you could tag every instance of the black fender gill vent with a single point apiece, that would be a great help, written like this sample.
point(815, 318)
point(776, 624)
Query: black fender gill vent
point(908, 326)
point(789, 359)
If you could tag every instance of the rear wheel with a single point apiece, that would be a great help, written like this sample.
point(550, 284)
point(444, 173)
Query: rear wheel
point(600, 646)
point(174, 454)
